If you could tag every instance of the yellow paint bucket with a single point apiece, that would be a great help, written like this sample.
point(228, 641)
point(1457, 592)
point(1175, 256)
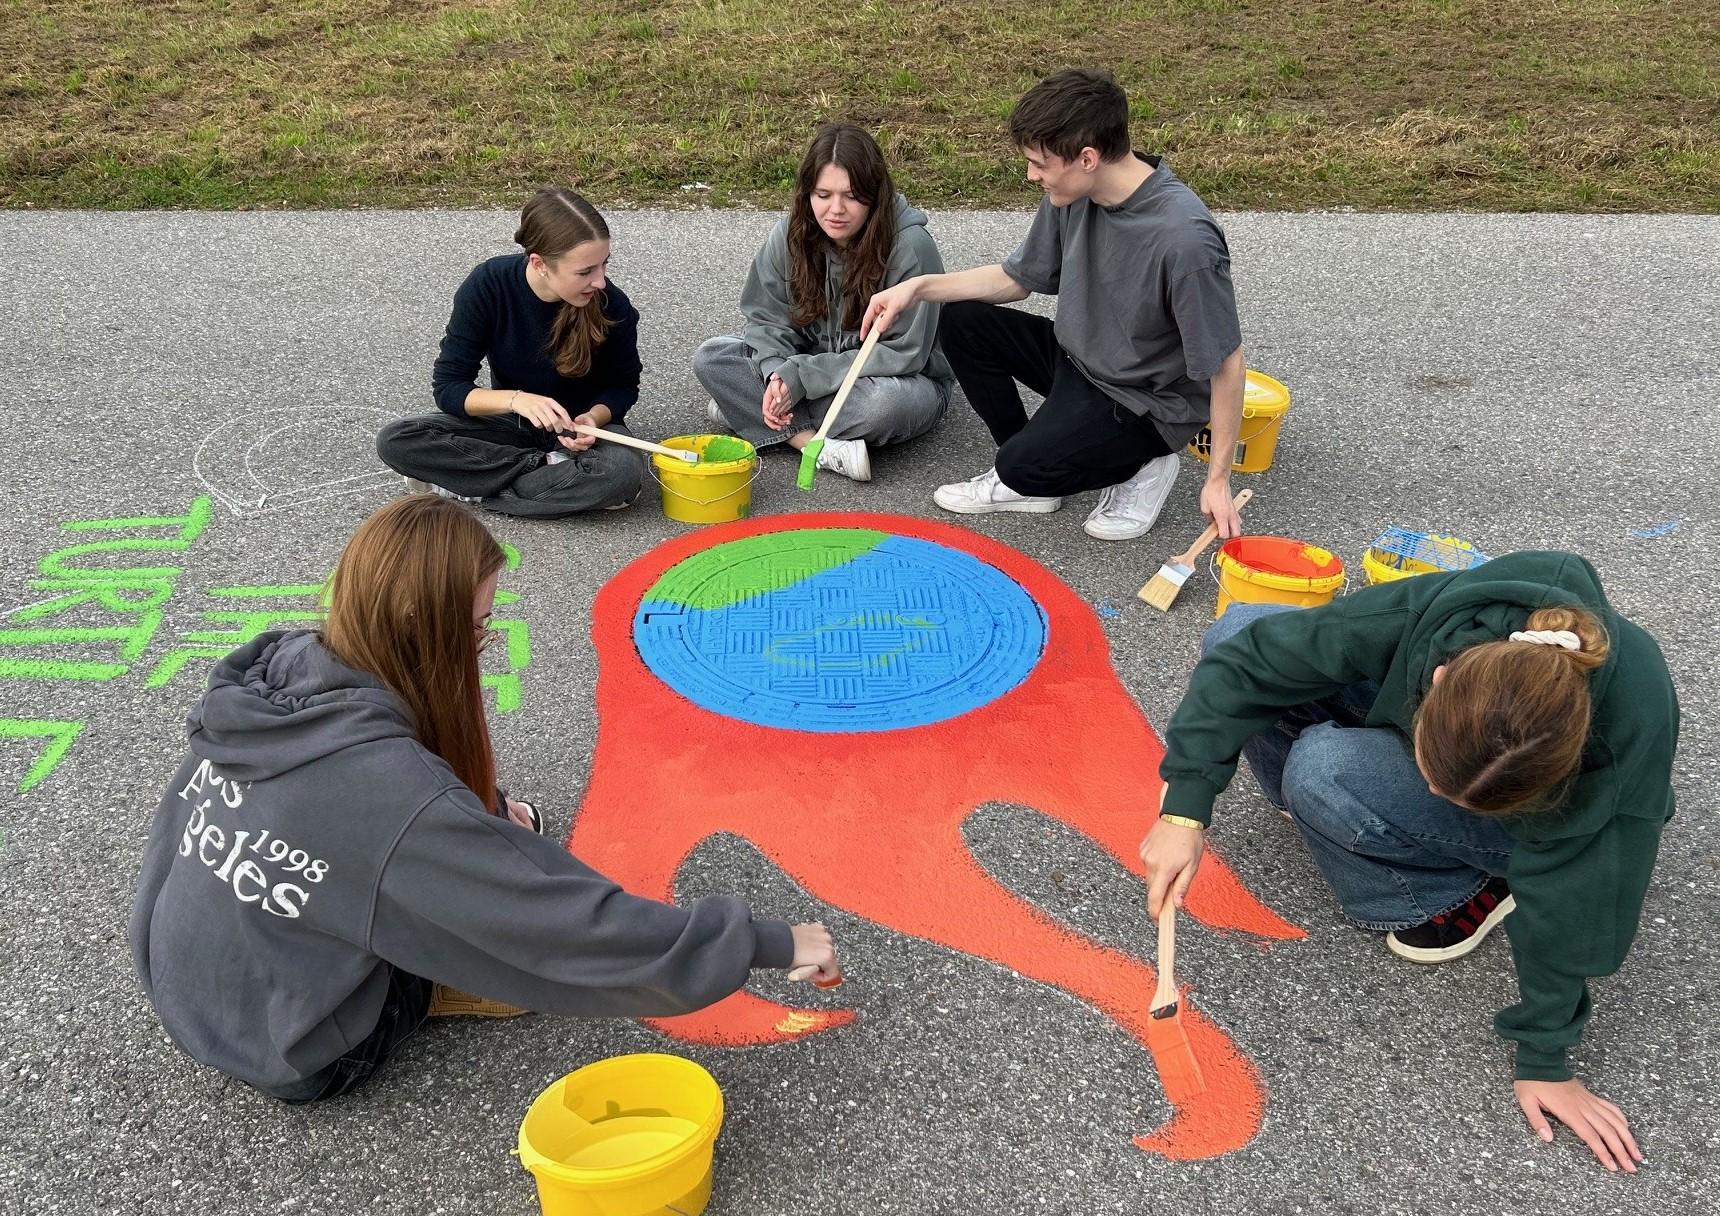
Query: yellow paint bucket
point(1264, 404)
point(716, 491)
point(628, 1136)
point(1400, 553)
point(1276, 570)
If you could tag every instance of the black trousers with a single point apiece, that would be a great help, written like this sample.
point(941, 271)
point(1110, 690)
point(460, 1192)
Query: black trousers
point(403, 1012)
point(1079, 439)
point(499, 459)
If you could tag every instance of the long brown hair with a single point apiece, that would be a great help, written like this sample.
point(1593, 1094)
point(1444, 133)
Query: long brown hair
point(867, 256)
point(1502, 731)
point(552, 222)
point(400, 608)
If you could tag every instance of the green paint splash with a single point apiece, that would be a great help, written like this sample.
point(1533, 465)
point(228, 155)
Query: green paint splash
point(719, 448)
point(728, 574)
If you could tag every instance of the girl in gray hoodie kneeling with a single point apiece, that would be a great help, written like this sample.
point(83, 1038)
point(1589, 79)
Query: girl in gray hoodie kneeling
point(333, 862)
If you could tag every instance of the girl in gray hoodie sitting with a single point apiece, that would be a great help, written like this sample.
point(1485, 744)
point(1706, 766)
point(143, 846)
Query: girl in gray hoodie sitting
point(333, 862)
point(847, 235)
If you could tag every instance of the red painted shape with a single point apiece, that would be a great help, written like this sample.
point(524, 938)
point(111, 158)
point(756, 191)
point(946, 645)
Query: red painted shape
point(871, 822)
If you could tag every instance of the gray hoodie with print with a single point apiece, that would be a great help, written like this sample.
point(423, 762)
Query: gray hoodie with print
point(813, 359)
point(309, 842)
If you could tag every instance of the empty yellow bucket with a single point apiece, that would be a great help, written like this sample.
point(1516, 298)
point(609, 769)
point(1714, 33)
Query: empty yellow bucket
point(1264, 404)
point(1276, 570)
point(716, 491)
point(628, 1136)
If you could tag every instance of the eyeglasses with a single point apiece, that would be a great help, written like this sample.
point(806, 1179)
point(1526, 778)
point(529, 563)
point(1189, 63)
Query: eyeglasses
point(487, 634)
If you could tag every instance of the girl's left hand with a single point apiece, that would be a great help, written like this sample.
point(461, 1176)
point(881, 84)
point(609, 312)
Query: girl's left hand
point(577, 442)
point(777, 406)
point(1597, 1122)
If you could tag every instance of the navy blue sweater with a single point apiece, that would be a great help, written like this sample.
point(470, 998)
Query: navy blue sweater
point(498, 317)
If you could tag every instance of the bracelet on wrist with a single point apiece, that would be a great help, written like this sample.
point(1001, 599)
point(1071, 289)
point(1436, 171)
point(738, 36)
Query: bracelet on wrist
point(1183, 821)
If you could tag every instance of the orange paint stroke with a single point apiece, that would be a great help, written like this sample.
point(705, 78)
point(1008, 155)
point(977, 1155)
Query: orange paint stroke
point(871, 822)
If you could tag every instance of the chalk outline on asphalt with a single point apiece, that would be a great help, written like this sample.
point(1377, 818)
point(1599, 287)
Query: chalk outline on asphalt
point(292, 497)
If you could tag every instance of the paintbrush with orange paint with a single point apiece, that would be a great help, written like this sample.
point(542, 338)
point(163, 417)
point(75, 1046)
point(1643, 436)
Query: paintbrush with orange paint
point(1167, 1039)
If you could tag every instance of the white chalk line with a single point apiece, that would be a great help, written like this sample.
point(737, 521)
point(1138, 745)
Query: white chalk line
point(293, 496)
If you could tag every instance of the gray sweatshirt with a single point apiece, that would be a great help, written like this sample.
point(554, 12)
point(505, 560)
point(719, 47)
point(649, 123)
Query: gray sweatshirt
point(309, 842)
point(813, 359)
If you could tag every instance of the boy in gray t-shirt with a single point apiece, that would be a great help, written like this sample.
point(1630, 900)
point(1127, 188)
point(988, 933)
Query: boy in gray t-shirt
point(1146, 348)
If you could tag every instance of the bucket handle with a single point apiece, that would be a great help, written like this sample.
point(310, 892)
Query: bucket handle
point(709, 502)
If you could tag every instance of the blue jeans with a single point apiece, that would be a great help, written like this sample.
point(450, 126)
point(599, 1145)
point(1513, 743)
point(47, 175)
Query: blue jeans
point(1395, 853)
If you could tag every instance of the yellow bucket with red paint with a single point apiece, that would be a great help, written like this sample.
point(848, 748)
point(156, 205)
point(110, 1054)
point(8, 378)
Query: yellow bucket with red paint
point(1276, 570)
point(628, 1136)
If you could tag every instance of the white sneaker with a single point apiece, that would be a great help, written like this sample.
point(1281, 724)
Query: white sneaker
point(1131, 509)
point(714, 414)
point(847, 457)
point(416, 486)
point(984, 494)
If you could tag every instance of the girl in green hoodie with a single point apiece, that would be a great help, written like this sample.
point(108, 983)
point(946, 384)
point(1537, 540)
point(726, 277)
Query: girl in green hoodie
point(847, 235)
point(1457, 750)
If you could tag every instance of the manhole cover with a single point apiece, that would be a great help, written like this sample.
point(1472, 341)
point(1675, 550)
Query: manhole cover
point(838, 630)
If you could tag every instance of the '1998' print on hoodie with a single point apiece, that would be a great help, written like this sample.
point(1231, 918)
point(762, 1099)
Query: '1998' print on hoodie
point(220, 849)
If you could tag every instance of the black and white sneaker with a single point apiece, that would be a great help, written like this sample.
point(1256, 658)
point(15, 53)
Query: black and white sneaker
point(416, 485)
point(532, 813)
point(1455, 933)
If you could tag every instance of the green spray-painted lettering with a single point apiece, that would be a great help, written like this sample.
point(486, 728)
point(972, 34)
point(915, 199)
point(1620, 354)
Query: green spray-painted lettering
point(60, 736)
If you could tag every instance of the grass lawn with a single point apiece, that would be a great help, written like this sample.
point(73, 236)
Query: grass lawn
point(1588, 105)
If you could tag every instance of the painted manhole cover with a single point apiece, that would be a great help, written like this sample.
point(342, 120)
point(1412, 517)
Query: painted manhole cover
point(838, 630)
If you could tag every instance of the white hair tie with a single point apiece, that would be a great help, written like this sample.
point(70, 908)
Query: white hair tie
point(1549, 637)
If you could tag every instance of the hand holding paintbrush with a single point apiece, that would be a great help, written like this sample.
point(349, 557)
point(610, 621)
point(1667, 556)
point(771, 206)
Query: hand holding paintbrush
point(1161, 590)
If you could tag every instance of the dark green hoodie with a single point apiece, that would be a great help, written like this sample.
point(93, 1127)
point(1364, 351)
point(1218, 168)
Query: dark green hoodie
point(1579, 872)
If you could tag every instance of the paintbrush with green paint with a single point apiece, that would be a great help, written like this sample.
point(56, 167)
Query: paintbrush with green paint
point(809, 454)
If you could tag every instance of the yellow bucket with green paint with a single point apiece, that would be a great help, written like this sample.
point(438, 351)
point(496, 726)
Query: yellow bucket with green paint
point(628, 1136)
point(1276, 570)
point(717, 490)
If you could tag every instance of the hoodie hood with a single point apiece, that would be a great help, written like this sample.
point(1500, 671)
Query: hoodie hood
point(1496, 599)
point(283, 701)
point(907, 215)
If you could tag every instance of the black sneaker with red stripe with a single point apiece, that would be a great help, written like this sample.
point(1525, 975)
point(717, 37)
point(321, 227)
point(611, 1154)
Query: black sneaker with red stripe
point(1455, 933)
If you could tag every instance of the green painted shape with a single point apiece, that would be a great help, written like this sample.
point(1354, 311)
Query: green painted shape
point(725, 447)
point(60, 736)
point(190, 525)
point(507, 690)
point(174, 662)
point(510, 555)
point(758, 565)
point(59, 669)
point(156, 593)
point(518, 634)
point(261, 593)
point(134, 639)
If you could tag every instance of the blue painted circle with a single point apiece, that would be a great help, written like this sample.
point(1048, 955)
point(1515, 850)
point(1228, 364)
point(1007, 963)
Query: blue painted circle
point(904, 634)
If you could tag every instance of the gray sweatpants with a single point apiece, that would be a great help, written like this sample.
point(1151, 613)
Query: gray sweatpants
point(500, 460)
point(880, 410)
